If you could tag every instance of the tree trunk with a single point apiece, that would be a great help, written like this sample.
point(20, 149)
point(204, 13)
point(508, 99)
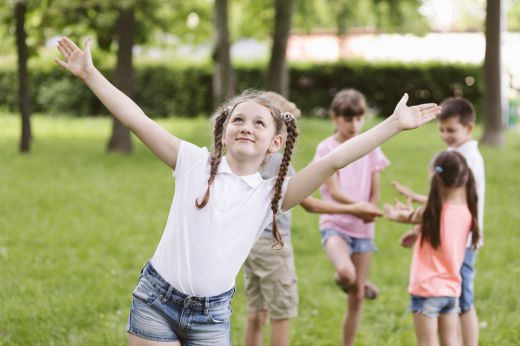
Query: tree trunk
point(278, 73)
point(23, 85)
point(493, 118)
point(223, 79)
point(120, 139)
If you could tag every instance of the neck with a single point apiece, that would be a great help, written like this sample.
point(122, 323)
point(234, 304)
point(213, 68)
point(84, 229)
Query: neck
point(456, 195)
point(340, 138)
point(244, 167)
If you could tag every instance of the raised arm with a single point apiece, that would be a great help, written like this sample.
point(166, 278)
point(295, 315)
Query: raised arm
point(317, 172)
point(79, 63)
point(409, 193)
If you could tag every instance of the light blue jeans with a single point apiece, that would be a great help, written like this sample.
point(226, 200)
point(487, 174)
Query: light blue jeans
point(159, 312)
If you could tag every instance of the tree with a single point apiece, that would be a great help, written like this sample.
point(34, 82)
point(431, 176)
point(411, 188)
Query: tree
point(120, 137)
point(23, 85)
point(278, 73)
point(223, 78)
point(493, 118)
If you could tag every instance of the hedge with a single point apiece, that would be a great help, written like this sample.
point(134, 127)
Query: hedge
point(168, 90)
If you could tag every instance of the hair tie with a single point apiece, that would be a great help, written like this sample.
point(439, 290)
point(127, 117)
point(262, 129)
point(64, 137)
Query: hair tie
point(287, 117)
point(439, 169)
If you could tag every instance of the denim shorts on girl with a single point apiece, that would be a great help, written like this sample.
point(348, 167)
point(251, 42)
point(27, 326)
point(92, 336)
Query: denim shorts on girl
point(434, 306)
point(356, 245)
point(161, 313)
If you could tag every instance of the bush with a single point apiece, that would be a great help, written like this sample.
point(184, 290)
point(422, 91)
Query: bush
point(168, 90)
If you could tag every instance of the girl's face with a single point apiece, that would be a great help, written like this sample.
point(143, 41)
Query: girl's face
point(348, 127)
point(250, 132)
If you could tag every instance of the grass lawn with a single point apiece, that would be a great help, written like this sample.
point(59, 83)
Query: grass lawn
point(77, 224)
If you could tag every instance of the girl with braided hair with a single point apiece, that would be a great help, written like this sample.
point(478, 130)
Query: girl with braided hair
point(221, 203)
point(449, 217)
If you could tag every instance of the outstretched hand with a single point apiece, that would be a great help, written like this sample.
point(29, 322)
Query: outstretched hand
point(399, 212)
point(403, 190)
point(77, 61)
point(366, 211)
point(414, 116)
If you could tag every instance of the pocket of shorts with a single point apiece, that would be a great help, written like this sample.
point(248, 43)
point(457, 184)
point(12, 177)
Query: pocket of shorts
point(220, 314)
point(146, 291)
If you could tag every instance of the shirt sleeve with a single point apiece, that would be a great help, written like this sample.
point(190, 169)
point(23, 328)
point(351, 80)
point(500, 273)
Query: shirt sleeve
point(189, 155)
point(321, 150)
point(379, 160)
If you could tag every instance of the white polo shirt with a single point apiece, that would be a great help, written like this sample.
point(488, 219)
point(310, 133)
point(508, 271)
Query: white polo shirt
point(201, 250)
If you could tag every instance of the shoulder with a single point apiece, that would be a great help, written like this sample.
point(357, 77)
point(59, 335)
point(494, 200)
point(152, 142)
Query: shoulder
point(326, 145)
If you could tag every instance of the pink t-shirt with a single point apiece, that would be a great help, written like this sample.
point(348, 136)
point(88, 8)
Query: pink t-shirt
point(355, 181)
point(436, 272)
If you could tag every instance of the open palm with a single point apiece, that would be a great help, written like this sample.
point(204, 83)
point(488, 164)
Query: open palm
point(414, 116)
point(77, 61)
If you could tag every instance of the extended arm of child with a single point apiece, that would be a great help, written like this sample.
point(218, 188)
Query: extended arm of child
point(409, 193)
point(364, 210)
point(79, 63)
point(316, 173)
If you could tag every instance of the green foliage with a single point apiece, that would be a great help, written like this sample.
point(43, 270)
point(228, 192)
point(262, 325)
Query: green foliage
point(166, 90)
point(78, 224)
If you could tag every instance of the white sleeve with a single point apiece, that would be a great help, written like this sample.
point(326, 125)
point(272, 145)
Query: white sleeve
point(189, 156)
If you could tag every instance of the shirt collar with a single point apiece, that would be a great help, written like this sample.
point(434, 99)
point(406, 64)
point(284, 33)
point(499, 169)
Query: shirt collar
point(465, 146)
point(252, 180)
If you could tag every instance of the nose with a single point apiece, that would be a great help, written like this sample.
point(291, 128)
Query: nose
point(245, 129)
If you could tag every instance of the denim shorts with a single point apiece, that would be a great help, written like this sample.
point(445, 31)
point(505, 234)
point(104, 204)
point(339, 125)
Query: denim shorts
point(356, 245)
point(434, 306)
point(467, 272)
point(161, 313)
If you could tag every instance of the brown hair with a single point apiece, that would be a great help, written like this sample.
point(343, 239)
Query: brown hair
point(348, 103)
point(459, 108)
point(450, 171)
point(283, 121)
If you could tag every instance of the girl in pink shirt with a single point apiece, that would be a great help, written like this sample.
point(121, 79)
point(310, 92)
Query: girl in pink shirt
point(347, 239)
point(448, 218)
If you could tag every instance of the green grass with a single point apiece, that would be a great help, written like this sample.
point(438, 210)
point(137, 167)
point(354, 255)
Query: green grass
point(77, 224)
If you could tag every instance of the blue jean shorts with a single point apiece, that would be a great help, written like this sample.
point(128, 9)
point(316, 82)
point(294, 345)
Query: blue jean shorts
point(434, 306)
point(161, 313)
point(356, 245)
point(467, 272)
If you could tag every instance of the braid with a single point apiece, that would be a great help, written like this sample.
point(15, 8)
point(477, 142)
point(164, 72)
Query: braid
point(216, 154)
point(292, 134)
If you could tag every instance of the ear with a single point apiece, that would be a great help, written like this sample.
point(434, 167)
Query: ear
point(470, 127)
point(276, 144)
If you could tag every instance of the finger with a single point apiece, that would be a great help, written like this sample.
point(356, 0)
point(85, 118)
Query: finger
point(69, 43)
point(61, 63)
point(65, 47)
point(426, 106)
point(64, 52)
point(409, 202)
point(429, 116)
point(403, 100)
point(86, 45)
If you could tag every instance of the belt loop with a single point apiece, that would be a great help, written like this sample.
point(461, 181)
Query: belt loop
point(168, 293)
point(206, 305)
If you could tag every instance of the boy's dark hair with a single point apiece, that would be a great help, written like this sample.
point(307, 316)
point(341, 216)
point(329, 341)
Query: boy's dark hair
point(348, 103)
point(458, 108)
point(450, 170)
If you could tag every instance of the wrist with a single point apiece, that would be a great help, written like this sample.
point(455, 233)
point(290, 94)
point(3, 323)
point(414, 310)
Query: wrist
point(88, 73)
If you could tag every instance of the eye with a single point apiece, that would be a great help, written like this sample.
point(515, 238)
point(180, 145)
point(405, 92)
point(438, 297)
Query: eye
point(260, 123)
point(237, 120)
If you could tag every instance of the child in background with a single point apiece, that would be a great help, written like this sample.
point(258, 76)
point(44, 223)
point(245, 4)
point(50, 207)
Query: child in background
point(449, 217)
point(348, 241)
point(269, 273)
point(456, 124)
point(221, 203)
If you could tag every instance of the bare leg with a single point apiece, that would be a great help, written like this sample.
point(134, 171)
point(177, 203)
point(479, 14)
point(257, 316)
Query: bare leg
point(134, 340)
point(449, 329)
point(425, 330)
point(338, 252)
point(254, 328)
point(356, 295)
point(469, 327)
point(280, 332)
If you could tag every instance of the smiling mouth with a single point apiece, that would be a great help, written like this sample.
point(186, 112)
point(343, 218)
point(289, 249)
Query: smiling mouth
point(242, 139)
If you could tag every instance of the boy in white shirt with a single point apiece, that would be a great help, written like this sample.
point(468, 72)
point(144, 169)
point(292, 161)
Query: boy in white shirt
point(456, 123)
